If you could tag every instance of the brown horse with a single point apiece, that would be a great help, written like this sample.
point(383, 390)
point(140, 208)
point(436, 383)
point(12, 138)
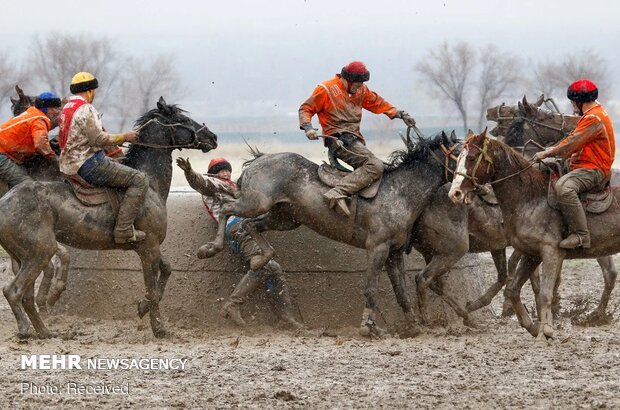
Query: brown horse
point(34, 215)
point(527, 127)
point(532, 227)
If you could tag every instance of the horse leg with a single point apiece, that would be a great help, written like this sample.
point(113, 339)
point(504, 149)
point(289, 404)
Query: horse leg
point(150, 263)
point(165, 270)
point(499, 259)
point(14, 292)
point(44, 286)
point(430, 276)
point(526, 266)
point(31, 310)
point(552, 266)
point(250, 204)
point(599, 315)
point(60, 282)
point(395, 267)
point(513, 261)
point(377, 257)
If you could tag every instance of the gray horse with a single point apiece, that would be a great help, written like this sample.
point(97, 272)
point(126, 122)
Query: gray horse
point(34, 215)
point(287, 186)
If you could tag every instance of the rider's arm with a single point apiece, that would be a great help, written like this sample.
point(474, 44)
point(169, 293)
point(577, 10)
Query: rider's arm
point(203, 185)
point(40, 139)
point(587, 130)
point(88, 120)
point(313, 105)
point(373, 102)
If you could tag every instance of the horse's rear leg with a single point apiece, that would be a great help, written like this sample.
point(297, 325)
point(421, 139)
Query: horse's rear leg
point(150, 263)
point(513, 262)
point(31, 311)
point(599, 315)
point(499, 258)
point(395, 267)
point(249, 205)
point(60, 280)
point(44, 286)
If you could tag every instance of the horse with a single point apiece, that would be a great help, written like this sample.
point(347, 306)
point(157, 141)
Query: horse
point(531, 225)
point(35, 215)
point(287, 187)
point(41, 169)
point(526, 123)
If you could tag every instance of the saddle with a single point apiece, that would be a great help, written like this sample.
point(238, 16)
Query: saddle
point(91, 195)
point(595, 201)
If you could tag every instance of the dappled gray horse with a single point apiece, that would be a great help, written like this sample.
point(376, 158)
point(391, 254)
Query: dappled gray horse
point(531, 225)
point(288, 187)
point(34, 215)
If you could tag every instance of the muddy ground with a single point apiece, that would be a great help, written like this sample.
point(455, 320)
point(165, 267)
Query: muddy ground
point(497, 365)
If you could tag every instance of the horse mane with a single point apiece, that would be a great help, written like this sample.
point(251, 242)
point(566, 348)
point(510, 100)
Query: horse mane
point(533, 180)
point(405, 159)
point(514, 133)
point(155, 112)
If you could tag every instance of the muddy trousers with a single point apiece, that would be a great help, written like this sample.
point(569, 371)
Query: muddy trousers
point(100, 170)
point(567, 190)
point(367, 168)
point(11, 172)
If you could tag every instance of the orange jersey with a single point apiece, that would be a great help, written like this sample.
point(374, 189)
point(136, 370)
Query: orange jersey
point(340, 112)
point(24, 136)
point(592, 141)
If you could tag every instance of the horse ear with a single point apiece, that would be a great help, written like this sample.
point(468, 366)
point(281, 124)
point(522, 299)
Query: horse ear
point(540, 100)
point(469, 133)
point(163, 106)
point(485, 132)
point(20, 92)
point(453, 136)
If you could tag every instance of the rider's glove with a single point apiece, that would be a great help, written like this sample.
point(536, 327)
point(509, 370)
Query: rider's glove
point(407, 119)
point(311, 133)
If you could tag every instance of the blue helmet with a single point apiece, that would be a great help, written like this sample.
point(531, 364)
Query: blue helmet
point(47, 100)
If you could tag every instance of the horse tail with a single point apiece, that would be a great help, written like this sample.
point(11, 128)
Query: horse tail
point(256, 153)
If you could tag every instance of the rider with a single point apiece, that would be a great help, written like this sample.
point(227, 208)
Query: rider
point(83, 140)
point(593, 145)
point(26, 135)
point(338, 103)
point(217, 188)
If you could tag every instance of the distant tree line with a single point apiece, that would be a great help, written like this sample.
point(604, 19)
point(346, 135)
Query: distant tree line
point(128, 85)
point(473, 79)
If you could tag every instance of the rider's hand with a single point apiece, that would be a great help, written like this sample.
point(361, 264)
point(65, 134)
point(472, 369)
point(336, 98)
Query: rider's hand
point(407, 119)
point(184, 164)
point(130, 136)
point(312, 134)
point(540, 155)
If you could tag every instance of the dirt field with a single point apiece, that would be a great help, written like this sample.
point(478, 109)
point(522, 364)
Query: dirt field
point(497, 365)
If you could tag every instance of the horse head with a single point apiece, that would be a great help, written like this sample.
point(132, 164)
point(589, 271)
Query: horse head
point(167, 126)
point(22, 103)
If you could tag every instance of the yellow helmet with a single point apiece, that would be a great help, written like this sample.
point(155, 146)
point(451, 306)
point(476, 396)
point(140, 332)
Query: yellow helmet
point(83, 81)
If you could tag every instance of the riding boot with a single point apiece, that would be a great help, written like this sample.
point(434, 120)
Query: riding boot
point(575, 217)
point(280, 301)
point(246, 286)
point(124, 230)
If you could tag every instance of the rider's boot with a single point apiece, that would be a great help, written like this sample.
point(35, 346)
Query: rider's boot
point(124, 231)
point(246, 286)
point(337, 199)
point(575, 217)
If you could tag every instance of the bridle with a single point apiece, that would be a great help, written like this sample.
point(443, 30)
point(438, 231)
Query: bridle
point(447, 152)
point(484, 154)
point(534, 123)
point(194, 143)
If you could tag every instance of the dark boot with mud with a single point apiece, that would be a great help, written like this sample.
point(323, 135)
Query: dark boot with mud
point(575, 217)
point(246, 286)
point(280, 301)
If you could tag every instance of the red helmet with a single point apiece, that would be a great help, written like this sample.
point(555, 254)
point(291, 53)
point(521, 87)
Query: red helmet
point(582, 91)
point(218, 164)
point(355, 72)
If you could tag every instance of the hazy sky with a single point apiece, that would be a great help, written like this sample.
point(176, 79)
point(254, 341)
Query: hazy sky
point(265, 57)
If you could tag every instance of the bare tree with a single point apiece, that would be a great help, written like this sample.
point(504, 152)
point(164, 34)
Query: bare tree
point(552, 78)
point(145, 81)
point(500, 73)
point(448, 70)
point(57, 57)
point(12, 73)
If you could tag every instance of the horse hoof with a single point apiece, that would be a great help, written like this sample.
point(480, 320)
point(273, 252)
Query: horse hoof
point(207, 251)
point(160, 333)
point(548, 331)
point(143, 308)
point(46, 334)
point(533, 329)
point(470, 322)
point(373, 332)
